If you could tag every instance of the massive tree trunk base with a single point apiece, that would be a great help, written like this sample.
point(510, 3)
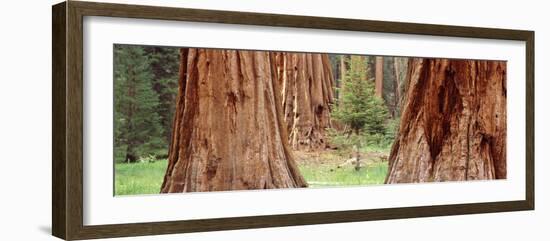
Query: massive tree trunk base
point(306, 82)
point(453, 125)
point(228, 130)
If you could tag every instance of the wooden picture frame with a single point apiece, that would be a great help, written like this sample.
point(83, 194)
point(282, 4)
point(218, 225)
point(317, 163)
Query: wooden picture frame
point(67, 124)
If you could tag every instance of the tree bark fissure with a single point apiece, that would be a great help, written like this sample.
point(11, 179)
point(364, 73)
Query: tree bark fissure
point(453, 124)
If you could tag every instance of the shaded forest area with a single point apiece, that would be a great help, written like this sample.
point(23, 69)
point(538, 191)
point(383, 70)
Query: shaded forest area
point(145, 88)
point(210, 120)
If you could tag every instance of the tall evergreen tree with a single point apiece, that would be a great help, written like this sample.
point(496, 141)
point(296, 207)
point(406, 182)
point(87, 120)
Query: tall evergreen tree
point(358, 106)
point(137, 125)
point(164, 62)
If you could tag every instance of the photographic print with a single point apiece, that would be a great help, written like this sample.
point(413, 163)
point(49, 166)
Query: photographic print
point(202, 120)
point(286, 120)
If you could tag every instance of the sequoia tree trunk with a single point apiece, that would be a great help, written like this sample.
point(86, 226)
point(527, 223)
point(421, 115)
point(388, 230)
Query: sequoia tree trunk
point(228, 130)
point(453, 124)
point(396, 86)
point(379, 76)
point(307, 94)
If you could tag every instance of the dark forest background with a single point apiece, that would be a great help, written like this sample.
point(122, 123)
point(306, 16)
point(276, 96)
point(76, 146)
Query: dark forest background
point(145, 89)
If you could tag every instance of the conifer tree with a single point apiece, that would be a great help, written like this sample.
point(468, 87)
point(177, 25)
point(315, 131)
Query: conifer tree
point(164, 62)
point(358, 106)
point(138, 132)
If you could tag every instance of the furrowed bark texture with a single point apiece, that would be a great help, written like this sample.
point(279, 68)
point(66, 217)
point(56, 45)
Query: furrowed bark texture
point(228, 131)
point(306, 82)
point(453, 124)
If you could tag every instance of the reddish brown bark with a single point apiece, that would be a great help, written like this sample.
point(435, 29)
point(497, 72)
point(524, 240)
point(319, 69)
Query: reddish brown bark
point(453, 124)
point(307, 92)
point(379, 76)
point(399, 71)
point(228, 130)
point(396, 86)
point(400, 67)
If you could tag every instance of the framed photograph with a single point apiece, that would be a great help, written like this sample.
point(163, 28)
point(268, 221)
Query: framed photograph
point(171, 120)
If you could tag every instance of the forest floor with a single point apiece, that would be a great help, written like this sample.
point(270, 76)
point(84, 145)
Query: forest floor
point(327, 168)
point(332, 168)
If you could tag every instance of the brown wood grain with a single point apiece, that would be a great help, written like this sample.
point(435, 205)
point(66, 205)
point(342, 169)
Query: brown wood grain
point(58, 120)
point(67, 123)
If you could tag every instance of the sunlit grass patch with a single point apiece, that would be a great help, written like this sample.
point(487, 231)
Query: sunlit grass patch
point(330, 175)
point(139, 178)
point(146, 177)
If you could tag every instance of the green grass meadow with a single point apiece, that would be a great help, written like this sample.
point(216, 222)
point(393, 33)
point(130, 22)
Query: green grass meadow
point(146, 177)
point(330, 176)
point(139, 178)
